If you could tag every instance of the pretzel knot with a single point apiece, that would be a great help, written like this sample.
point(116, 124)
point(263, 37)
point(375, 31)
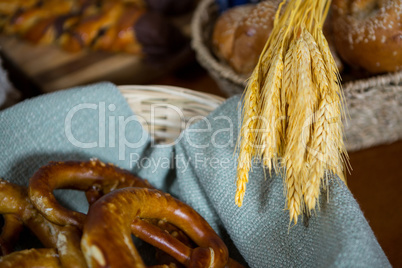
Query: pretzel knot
point(109, 224)
point(94, 177)
point(17, 212)
point(121, 204)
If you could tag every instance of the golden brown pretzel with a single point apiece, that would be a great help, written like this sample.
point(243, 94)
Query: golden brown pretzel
point(368, 33)
point(10, 233)
point(108, 226)
point(94, 176)
point(169, 239)
point(15, 201)
point(44, 258)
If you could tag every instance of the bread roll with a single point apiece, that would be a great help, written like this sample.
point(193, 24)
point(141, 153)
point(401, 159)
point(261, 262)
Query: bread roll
point(241, 32)
point(368, 33)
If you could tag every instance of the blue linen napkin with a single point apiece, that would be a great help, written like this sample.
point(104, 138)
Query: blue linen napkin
point(200, 168)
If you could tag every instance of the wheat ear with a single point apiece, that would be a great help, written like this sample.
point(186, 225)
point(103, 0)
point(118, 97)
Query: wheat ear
point(247, 142)
point(317, 151)
point(298, 131)
point(336, 164)
point(271, 129)
point(288, 85)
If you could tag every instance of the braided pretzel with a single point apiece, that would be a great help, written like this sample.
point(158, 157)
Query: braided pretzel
point(15, 202)
point(10, 7)
point(121, 36)
point(21, 22)
point(94, 177)
point(109, 25)
point(104, 230)
point(87, 30)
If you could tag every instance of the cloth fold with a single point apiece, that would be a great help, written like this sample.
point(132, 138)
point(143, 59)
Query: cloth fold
point(95, 121)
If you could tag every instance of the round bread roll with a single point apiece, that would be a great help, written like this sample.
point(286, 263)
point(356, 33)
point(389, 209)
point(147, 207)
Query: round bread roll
point(251, 35)
point(241, 32)
point(368, 33)
point(224, 30)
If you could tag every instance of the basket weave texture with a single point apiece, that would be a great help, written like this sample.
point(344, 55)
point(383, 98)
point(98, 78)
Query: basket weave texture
point(374, 105)
point(165, 111)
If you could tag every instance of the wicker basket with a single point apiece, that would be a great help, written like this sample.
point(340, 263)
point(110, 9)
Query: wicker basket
point(202, 24)
point(374, 104)
point(172, 109)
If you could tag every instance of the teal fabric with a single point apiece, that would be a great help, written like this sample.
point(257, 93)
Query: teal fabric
point(199, 169)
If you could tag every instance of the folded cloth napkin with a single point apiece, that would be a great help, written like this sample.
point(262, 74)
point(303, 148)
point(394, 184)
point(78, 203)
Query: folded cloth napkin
point(95, 121)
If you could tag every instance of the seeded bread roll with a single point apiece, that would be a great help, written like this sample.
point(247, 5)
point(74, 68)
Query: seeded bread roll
point(368, 33)
point(241, 32)
point(225, 28)
point(251, 35)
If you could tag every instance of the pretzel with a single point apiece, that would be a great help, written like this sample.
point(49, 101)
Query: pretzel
point(44, 257)
point(109, 223)
point(174, 245)
point(10, 232)
point(15, 201)
point(94, 177)
point(155, 217)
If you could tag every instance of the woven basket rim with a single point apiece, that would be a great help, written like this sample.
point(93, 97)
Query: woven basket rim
point(226, 72)
point(191, 94)
point(377, 80)
point(167, 125)
point(199, 45)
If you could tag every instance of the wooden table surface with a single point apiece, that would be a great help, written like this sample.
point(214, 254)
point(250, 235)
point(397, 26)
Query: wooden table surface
point(376, 180)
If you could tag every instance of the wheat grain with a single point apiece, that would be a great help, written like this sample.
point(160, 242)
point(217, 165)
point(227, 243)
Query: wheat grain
point(318, 67)
point(293, 191)
point(288, 82)
point(247, 143)
point(295, 78)
point(316, 157)
point(267, 58)
point(299, 128)
point(271, 129)
point(318, 150)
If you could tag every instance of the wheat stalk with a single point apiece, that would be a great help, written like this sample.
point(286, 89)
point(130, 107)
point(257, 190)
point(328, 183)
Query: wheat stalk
point(299, 128)
point(289, 85)
point(318, 149)
point(319, 140)
point(271, 129)
point(247, 143)
point(296, 78)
